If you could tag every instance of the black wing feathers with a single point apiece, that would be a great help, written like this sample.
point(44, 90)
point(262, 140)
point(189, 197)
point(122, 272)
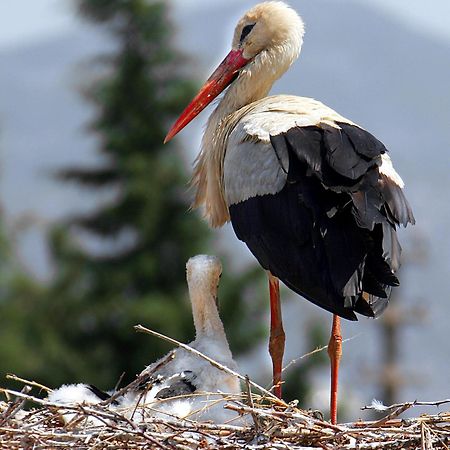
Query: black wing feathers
point(323, 233)
point(176, 389)
point(398, 206)
point(177, 384)
point(102, 395)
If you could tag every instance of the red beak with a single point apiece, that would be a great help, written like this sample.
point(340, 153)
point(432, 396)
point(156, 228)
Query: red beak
point(217, 82)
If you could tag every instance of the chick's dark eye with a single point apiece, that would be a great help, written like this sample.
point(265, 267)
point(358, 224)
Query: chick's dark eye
point(246, 30)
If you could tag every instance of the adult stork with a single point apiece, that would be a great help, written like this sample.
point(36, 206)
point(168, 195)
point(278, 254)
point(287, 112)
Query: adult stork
point(313, 195)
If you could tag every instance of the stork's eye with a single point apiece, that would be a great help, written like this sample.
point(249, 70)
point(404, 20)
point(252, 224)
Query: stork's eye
point(246, 30)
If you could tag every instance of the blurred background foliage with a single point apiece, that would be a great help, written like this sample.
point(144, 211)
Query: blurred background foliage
point(78, 326)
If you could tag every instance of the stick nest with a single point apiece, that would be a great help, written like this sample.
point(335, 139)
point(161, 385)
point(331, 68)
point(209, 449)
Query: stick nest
point(270, 425)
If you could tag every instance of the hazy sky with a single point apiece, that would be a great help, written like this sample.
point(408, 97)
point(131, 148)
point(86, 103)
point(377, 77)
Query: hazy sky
point(22, 21)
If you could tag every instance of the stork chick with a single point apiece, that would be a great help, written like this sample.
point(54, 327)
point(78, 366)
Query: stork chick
point(184, 385)
point(203, 388)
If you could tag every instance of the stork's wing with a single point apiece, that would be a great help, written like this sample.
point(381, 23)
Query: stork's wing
point(165, 384)
point(318, 208)
point(177, 385)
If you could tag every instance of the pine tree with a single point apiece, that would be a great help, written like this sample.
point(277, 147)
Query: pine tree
point(20, 328)
point(135, 271)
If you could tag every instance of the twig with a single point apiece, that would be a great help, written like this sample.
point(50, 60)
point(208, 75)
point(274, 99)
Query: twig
point(250, 402)
point(410, 404)
point(281, 416)
point(219, 366)
point(393, 415)
point(119, 382)
point(14, 406)
point(296, 360)
point(11, 376)
point(313, 352)
point(144, 375)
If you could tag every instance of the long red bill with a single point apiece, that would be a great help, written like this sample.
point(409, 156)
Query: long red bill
point(217, 82)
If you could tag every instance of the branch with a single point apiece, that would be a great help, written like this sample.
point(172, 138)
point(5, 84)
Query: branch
point(11, 376)
point(219, 366)
point(15, 406)
point(313, 352)
point(140, 379)
point(378, 406)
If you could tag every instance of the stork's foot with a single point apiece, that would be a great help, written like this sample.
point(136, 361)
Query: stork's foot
point(335, 354)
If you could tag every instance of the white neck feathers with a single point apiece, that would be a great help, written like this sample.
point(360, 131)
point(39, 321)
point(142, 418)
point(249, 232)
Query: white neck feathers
point(253, 83)
point(203, 273)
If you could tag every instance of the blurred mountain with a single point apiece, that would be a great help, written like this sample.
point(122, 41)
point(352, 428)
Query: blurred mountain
point(389, 78)
point(42, 128)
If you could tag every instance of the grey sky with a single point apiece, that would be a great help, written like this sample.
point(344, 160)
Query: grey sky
point(22, 21)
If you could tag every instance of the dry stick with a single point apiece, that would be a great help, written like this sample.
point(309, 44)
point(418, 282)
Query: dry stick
point(14, 406)
point(316, 350)
point(250, 402)
point(395, 425)
point(280, 416)
point(410, 404)
point(136, 430)
point(393, 415)
point(241, 408)
point(436, 435)
point(425, 437)
point(219, 366)
point(296, 360)
point(188, 424)
point(143, 375)
point(108, 414)
point(11, 376)
point(119, 382)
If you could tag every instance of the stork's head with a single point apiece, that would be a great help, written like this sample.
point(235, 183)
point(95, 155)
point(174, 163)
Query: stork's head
point(203, 274)
point(266, 26)
point(266, 41)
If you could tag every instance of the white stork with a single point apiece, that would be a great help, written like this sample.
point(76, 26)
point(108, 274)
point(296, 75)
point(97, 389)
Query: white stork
point(201, 388)
point(184, 385)
point(313, 195)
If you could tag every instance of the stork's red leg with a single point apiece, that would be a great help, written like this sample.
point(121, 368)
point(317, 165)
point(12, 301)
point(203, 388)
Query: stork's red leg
point(277, 337)
point(335, 353)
